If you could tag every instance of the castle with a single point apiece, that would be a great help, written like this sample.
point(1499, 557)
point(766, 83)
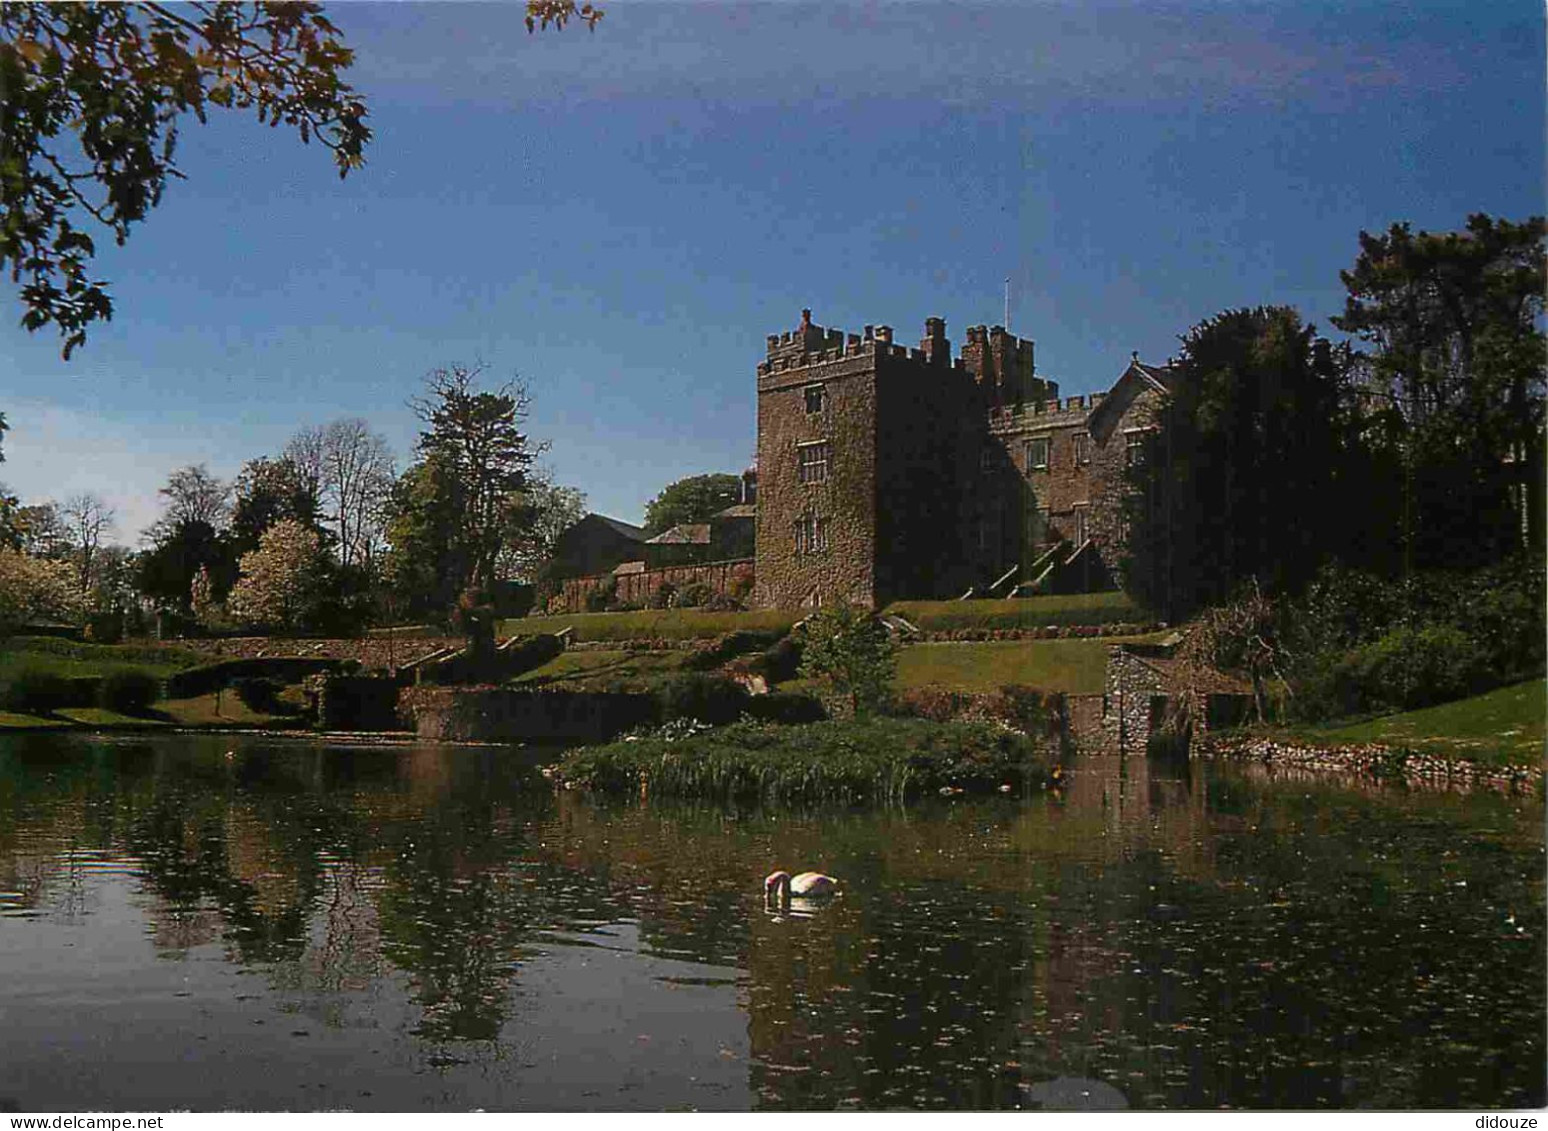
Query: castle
point(887, 472)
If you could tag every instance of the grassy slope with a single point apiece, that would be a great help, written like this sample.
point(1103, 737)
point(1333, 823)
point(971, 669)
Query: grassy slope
point(1504, 727)
point(603, 664)
point(68, 658)
point(1020, 612)
point(660, 624)
point(1074, 666)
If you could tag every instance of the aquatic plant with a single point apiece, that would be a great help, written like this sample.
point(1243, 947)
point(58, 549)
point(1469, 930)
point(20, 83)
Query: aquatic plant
point(876, 760)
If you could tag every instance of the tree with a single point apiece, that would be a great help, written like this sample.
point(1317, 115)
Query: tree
point(119, 78)
point(852, 654)
point(693, 499)
point(44, 533)
point(194, 495)
point(268, 491)
point(1242, 477)
point(86, 519)
point(476, 478)
point(166, 570)
point(550, 510)
point(1456, 380)
point(36, 589)
point(353, 470)
point(284, 583)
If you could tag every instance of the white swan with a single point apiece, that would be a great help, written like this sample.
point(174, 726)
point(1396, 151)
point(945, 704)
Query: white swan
point(806, 885)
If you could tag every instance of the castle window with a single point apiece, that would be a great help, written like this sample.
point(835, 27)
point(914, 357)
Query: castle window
point(811, 535)
point(1082, 449)
point(1082, 525)
point(1037, 453)
point(812, 462)
point(814, 399)
point(1134, 449)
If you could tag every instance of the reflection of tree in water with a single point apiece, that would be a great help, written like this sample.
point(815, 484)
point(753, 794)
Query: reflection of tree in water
point(454, 912)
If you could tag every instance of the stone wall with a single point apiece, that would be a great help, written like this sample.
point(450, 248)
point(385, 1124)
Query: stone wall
point(499, 714)
point(1133, 685)
point(637, 588)
point(842, 505)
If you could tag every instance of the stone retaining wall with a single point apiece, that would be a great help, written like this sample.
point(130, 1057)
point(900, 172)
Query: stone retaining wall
point(498, 714)
point(1375, 761)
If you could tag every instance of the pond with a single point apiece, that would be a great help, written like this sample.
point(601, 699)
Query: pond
point(209, 922)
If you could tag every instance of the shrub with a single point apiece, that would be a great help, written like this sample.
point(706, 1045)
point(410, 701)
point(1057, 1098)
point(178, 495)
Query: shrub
point(783, 660)
point(729, 646)
point(105, 626)
point(790, 708)
point(36, 690)
point(129, 691)
point(600, 597)
point(258, 694)
point(708, 698)
point(661, 596)
point(721, 603)
point(1408, 667)
point(693, 595)
point(743, 578)
point(851, 652)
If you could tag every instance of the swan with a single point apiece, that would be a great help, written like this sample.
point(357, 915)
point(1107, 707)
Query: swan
point(806, 885)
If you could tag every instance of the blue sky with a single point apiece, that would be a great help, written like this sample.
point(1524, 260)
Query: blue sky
point(619, 218)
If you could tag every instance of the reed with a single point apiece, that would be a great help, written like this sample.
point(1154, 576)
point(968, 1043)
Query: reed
point(879, 760)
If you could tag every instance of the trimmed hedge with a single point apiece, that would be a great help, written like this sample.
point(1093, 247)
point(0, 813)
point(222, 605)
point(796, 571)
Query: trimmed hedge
point(129, 692)
point(35, 690)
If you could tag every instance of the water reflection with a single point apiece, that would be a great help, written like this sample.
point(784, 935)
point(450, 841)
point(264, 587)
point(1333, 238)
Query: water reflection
point(430, 927)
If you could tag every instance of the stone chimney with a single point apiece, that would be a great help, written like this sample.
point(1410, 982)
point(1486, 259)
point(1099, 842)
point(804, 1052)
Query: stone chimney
point(937, 349)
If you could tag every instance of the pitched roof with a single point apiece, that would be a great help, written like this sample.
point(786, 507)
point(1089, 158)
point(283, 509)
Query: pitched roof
point(1123, 392)
point(623, 568)
point(637, 533)
point(741, 510)
point(684, 533)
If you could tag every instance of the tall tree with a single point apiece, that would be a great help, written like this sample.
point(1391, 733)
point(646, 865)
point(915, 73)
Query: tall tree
point(269, 491)
point(45, 533)
point(353, 468)
point(87, 520)
point(1241, 479)
point(479, 460)
point(1456, 372)
point(192, 494)
point(693, 499)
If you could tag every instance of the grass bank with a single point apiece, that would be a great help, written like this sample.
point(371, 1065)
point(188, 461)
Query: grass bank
point(72, 659)
point(593, 667)
point(1075, 667)
point(1504, 727)
point(649, 624)
point(1021, 612)
point(877, 760)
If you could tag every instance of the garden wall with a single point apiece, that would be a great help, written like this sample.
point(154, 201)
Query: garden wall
point(636, 588)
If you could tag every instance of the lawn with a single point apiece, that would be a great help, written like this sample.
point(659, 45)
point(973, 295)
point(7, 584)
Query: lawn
point(572, 668)
point(1502, 727)
point(1020, 612)
point(649, 624)
point(1076, 667)
point(70, 659)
